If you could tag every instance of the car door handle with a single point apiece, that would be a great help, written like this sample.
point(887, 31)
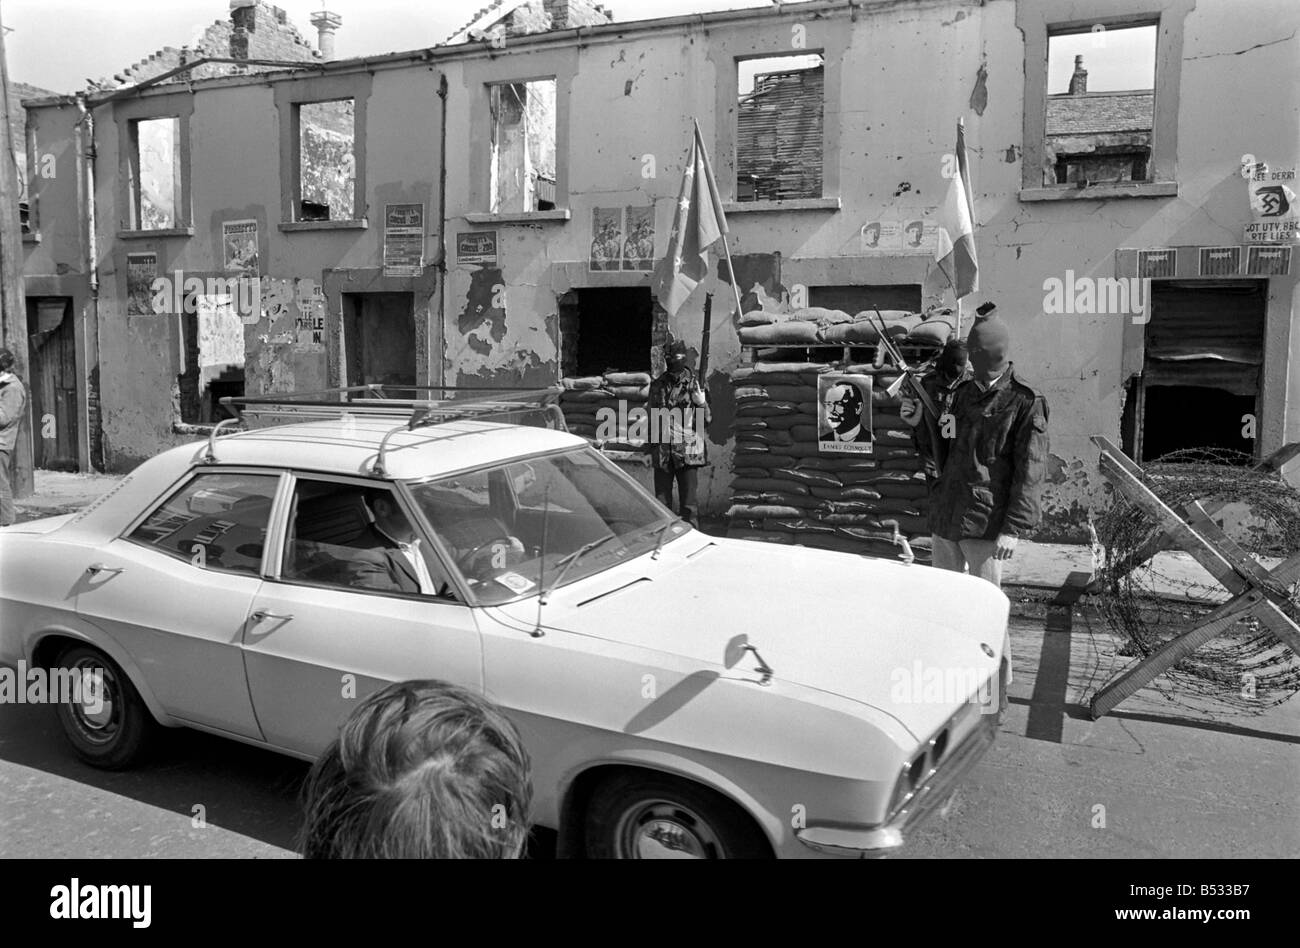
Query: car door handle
point(94, 569)
point(262, 615)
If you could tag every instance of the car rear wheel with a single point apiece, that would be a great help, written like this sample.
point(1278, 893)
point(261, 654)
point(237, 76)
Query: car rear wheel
point(649, 816)
point(109, 726)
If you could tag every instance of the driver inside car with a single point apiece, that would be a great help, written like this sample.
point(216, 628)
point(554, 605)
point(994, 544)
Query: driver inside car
point(389, 554)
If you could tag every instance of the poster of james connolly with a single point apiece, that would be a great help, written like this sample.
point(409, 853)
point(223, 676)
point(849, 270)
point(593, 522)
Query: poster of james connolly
point(844, 414)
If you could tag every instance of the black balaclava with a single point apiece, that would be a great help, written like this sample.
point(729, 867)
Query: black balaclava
point(951, 362)
point(675, 356)
point(989, 344)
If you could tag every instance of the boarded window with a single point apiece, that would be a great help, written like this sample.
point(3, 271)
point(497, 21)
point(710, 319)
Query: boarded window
point(327, 160)
point(1100, 105)
point(779, 128)
point(523, 164)
point(156, 167)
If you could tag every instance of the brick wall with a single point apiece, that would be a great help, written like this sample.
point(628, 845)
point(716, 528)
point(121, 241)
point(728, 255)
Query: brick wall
point(566, 14)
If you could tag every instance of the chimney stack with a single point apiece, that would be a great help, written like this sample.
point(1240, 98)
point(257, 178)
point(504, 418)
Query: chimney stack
point(243, 17)
point(326, 24)
point(1079, 81)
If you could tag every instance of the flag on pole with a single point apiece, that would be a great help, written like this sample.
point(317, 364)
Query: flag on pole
point(698, 223)
point(955, 249)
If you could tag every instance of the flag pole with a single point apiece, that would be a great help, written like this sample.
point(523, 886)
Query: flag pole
point(726, 244)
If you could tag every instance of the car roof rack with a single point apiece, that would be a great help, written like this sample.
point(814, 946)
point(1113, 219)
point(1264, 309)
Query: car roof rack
point(424, 406)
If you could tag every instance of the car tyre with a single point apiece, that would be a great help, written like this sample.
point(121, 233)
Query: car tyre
point(648, 816)
point(118, 734)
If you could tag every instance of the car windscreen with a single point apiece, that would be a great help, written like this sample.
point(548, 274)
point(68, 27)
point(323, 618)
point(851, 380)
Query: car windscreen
point(513, 529)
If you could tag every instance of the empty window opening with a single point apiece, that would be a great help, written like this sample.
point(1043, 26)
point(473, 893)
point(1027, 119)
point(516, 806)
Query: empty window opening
point(379, 338)
point(523, 165)
point(327, 160)
point(156, 174)
point(212, 358)
point(779, 128)
point(1200, 382)
point(1100, 105)
point(607, 328)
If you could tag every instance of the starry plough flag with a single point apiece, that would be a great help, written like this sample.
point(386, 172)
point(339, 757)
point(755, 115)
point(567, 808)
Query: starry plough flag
point(698, 224)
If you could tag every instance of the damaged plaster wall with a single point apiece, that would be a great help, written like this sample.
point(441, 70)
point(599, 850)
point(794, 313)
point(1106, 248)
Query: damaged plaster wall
point(887, 152)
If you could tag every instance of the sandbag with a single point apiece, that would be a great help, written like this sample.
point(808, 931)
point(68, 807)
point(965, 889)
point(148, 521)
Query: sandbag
point(761, 537)
point(789, 422)
point(761, 317)
point(903, 464)
point(818, 314)
point(799, 525)
point(796, 450)
point(892, 435)
point(768, 485)
point(583, 384)
point(791, 332)
point(804, 433)
point(845, 493)
point(750, 377)
point(764, 511)
point(750, 472)
point(798, 368)
point(763, 409)
point(933, 331)
point(627, 378)
point(631, 392)
point(588, 395)
point(904, 491)
point(769, 436)
point(804, 476)
point(846, 333)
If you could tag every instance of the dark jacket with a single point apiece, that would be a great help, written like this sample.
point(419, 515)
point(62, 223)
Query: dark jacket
point(941, 393)
point(991, 480)
point(380, 564)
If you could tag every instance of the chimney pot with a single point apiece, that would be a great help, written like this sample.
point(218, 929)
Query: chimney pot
point(1079, 81)
point(327, 25)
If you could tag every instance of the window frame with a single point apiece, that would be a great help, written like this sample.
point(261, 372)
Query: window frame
point(1040, 19)
point(128, 114)
point(290, 96)
point(731, 195)
point(276, 546)
point(559, 64)
point(492, 137)
point(183, 484)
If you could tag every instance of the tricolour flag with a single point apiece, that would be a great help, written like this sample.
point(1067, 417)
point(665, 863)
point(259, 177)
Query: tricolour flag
point(955, 249)
point(698, 223)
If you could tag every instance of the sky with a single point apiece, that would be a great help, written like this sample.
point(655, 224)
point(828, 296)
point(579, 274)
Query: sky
point(59, 44)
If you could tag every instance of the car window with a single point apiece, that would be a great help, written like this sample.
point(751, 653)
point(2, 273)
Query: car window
point(216, 521)
point(510, 527)
point(358, 538)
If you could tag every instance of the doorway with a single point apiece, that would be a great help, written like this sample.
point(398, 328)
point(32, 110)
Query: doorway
point(606, 328)
point(379, 338)
point(52, 362)
point(1202, 358)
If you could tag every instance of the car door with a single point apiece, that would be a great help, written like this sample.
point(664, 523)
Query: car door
point(175, 590)
point(322, 636)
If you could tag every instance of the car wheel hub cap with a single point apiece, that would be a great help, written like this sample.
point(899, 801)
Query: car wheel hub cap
point(96, 712)
point(663, 830)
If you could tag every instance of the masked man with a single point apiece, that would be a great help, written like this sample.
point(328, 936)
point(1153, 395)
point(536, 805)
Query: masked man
point(13, 400)
point(987, 493)
point(677, 445)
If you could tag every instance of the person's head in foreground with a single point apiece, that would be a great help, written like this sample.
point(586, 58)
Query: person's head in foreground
point(420, 770)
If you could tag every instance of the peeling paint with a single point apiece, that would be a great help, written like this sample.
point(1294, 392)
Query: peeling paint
point(979, 96)
point(722, 406)
point(1013, 154)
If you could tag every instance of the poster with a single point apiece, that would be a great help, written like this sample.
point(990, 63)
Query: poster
point(844, 414)
point(403, 240)
point(141, 271)
point(239, 239)
point(882, 237)
point(479, 246)
point(639, 246)
point(920, 236)
point(606, 238)
point(1274, 203)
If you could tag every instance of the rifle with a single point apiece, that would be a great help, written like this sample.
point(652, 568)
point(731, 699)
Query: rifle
point(704, 352)
point(907, 374)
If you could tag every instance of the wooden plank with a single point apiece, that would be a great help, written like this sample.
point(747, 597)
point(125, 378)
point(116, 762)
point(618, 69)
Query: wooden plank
point(1281, 625)
point(1174, 651)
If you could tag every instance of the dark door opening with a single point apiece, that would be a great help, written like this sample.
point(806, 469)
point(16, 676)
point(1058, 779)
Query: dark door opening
point(52, 361)
point(604, 328)
point(1200, 382)
point(379, 338)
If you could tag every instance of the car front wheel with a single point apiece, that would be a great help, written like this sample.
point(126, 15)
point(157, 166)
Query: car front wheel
point(105, 720)
point(648, 816)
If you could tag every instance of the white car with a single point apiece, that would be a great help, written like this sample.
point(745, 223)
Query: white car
point(679, 694)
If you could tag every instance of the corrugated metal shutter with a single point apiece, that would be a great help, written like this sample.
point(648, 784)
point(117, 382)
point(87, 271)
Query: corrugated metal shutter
point(1206, 334)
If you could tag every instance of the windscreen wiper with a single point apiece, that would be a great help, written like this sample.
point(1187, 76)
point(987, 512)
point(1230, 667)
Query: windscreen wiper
point(660, 534)
point(568, 561)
